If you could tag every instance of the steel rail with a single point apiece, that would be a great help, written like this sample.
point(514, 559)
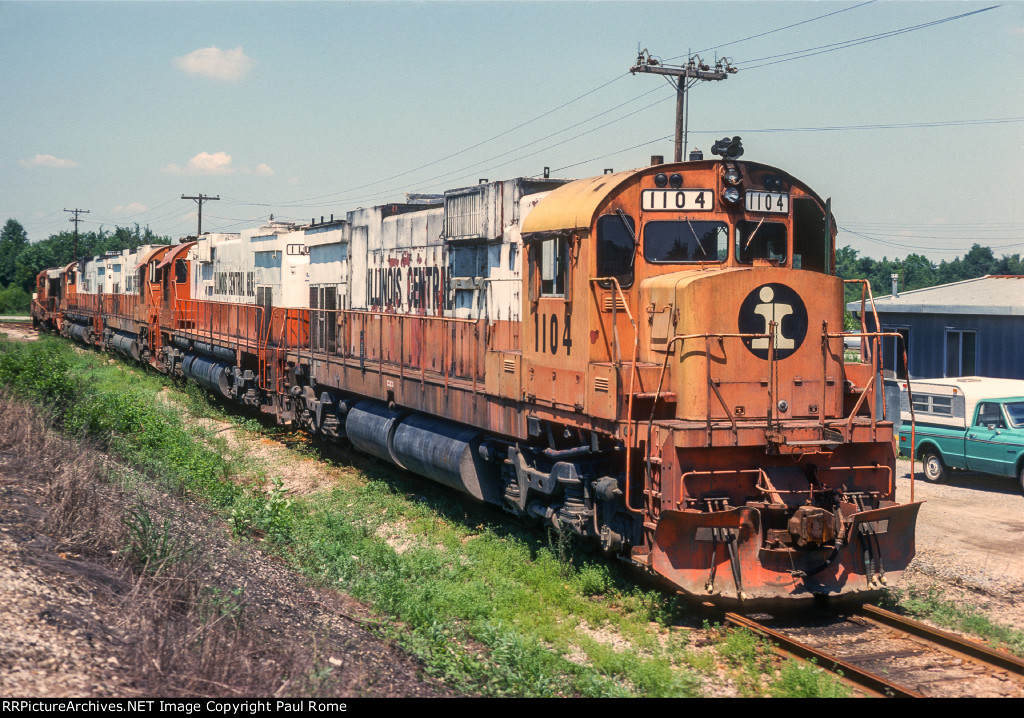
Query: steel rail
point(948, 642)
point(850, 674)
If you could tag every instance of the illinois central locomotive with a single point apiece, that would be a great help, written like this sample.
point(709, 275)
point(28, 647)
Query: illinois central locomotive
point(652, 360)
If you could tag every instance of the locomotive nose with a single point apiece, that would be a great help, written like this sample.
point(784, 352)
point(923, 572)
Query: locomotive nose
point(759, 350)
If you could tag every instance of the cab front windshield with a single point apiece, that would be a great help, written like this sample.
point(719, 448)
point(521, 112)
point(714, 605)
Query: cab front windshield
point(1015, 412)
point(685, 241)
point(760, 240)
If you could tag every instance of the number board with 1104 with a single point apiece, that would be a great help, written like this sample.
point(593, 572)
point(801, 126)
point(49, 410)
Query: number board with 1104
point(674, 200)
point(774, 202)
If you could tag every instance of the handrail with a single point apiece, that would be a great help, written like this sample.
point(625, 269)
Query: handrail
point(632, 375)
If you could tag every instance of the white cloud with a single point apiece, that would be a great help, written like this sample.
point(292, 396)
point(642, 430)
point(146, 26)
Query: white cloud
point(205, 163)
point(131, 208)
point(216, 63)
point(263, 170)
point(47, 161)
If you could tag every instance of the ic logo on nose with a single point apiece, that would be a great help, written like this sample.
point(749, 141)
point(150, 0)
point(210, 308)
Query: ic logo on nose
point(773, 303)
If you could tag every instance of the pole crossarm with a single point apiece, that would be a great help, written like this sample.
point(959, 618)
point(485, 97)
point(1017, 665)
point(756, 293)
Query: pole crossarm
point(680, 71)
point(695, 70)
point(199, 200)
point(76, 220)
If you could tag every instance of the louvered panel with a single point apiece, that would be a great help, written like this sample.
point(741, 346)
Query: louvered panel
point(614, 302)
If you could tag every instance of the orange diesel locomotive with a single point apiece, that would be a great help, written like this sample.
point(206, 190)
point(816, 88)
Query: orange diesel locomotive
point(651, 360)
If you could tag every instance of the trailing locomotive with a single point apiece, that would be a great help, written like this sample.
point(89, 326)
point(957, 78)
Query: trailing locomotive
point(651, 359)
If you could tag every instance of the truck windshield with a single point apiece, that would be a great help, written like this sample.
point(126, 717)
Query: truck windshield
point(1015, 411)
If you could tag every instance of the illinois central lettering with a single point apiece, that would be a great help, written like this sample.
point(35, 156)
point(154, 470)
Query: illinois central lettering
point(427, 288)
point(384, 287)
point(413, 289)
point(233, 283)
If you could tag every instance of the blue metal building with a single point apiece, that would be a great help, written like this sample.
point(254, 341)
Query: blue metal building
point(974, 327)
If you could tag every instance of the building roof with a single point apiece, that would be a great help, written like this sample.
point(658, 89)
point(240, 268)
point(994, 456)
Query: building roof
point(991, 294)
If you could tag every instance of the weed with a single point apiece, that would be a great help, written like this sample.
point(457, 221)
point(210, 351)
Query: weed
point(267, 513)
point(560, 545)
point(742, 649)
point(800, 680)
point(216, 605)
point(593, 579)
point(152, 546)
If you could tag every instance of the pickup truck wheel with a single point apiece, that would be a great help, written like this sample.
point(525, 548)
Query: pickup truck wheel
point(1020, 479)
point(934, 470)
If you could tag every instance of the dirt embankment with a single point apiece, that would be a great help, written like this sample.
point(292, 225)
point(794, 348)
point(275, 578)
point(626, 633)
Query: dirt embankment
point(82, 618)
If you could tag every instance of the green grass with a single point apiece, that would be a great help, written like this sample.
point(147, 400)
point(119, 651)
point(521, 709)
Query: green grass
point(488, 605)
point(931, 605)
point(802, 680)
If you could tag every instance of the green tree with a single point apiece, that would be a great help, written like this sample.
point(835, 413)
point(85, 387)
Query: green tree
point(979, 261)
point(1010, 265)
point(916, 271)
point(13, 239)
point(32, 260)
point(14, 301)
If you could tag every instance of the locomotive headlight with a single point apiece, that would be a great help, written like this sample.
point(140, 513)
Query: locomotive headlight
point(731, 195)
point(660, 179)
point(732, 176)
point(676, 180)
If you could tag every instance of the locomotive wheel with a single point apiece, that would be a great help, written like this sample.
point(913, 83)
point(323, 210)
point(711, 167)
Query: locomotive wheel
point(935, 470)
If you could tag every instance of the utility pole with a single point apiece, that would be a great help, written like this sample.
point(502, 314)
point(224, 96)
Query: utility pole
point(76, 220)
point(685, 76)
point(199, 200)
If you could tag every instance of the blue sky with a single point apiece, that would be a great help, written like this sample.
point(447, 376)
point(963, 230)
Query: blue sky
point(303, 109)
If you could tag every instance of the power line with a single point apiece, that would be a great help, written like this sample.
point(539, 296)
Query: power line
point(300, 202)
point(780, 29)
point(317, 200)
point(832, 47)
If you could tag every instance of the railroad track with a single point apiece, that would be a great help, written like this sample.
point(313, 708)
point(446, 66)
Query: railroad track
point(880, 653)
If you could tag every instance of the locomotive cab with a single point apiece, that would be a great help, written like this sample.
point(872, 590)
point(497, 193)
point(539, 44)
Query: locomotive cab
point(688, 313)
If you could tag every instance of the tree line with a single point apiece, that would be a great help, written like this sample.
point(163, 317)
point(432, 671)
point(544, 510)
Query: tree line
point(22, 260)
point(917, 271)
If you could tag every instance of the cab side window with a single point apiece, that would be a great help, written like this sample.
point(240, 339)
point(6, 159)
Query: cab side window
point(616, 248)
point(550, 257)
point(990, 415)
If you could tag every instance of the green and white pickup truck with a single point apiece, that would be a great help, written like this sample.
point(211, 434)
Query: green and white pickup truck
point(969, 422)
